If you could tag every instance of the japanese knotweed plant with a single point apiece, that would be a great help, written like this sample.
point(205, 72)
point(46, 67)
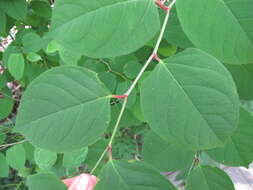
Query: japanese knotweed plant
point(90, 69)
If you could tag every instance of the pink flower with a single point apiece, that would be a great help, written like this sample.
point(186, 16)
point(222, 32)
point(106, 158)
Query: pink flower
point(81, 182)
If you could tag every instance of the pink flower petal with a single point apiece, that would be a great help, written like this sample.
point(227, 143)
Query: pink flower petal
point(81, 182)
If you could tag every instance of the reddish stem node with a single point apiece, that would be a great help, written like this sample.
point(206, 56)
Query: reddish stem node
point(109, 150)
point(160, 4)
point(120, 96)
point(155, 57)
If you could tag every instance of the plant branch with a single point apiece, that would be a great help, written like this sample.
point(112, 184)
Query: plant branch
point(128, 92)
point(11, 144)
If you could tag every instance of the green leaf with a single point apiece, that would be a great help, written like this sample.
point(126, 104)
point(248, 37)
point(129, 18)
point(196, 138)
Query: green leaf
point(72, 109)
point(16, 9)
point(74, 159)
point(53, 47)
point(44, 159)
point(131, 69)
point(7, 104)
point(163, 155)
point(42, 8)
point(174, 33)
point(45, 181)
point(2, 136)
point(8, 52)
point(243, 77)
point(16, 156)
point(16, 65)
point(191, 100)
point(104, 28)
point(69, 57)
point(128, 118)
point(33, 57)
point(32, 42)
point(4, 168)
point(230, 39)
point(238, 150)
point(109, 79)
point(29, 151)
point(123, 175)
point(208, 178)
point(3, 19)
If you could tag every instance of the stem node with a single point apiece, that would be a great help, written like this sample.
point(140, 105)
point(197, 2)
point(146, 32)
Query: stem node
point(160, 4)
point(120, 96)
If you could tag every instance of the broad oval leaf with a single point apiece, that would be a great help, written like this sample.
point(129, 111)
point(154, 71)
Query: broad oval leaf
point(32, 42)
point(4, 168)
point(104, 28)
point(238, 150)
point(16, 65)
point(131, 176)
point(194, 101)
point(44, 159)
point(209, 178)
point(44, 181)
point(74, 159)
point(16, 9)
point(165, 156)
point(64, 109)
point(222, 28)
point(16, 157)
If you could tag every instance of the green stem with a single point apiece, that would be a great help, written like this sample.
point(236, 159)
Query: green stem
point(128, 92)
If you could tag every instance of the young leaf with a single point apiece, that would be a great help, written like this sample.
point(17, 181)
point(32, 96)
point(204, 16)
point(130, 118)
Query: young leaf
point(74, 159)
point(16, 156)
point(238, 149)
point(104, 29)
point(163, 155)
point(16, 65)
point(44, 159)
point(33, 57)
point(123, 175)
point(45, 181)
point(191, 101)
point(72, 109)
point(32, 42)
point(16, 9)
point(208, 178)
point(4, 168)
point(230, 39)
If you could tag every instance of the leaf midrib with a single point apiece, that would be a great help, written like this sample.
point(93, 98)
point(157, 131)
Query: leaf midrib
point(70, 107)
point(178, 84)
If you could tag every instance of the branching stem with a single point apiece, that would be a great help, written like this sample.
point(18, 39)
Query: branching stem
point(128, 92)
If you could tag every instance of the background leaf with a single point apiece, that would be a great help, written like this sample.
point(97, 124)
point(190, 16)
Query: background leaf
point(16, 157)
point(44, 159)
point(16, 9)
point(230, 39)
point(16, 65)
point(45, 181)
